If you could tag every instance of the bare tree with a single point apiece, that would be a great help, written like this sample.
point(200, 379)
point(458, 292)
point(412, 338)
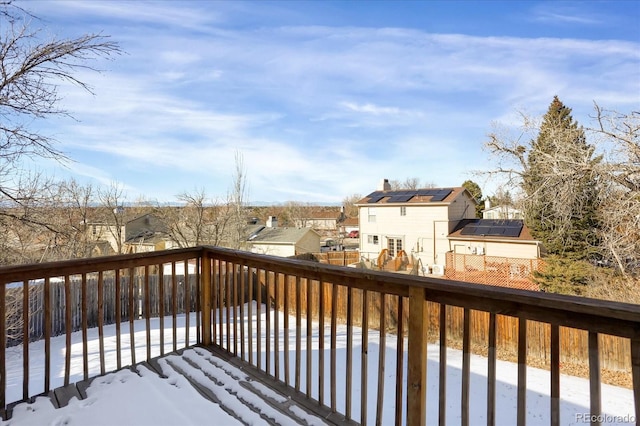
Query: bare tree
point(350, 209)
point(199, 221)
point(410, 183)
point(619, 136)
point(237, 200)
point(296, 214)
point(68, 211)
point(31, 68)
point(113, 214)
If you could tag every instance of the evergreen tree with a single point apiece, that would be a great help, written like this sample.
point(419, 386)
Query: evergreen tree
point(476, 193)
point(560, 186)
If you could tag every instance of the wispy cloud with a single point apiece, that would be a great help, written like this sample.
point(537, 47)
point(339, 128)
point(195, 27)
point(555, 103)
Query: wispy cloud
point(315, 109)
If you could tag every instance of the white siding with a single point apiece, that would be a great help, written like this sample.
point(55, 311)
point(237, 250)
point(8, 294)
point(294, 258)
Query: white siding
point(417, 230)
point(513, 249)
point(283, 250)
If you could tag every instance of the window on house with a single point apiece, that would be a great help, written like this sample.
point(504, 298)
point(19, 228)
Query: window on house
point(94, 230)
point(403, 210)
point(372, 239)
point(372, 214)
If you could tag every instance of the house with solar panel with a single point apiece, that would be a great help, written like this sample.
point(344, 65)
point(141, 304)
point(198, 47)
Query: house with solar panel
point(416, 222)
point(435, 231)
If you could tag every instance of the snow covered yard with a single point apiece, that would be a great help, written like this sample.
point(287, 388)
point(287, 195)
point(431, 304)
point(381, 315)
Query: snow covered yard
point(126, 398)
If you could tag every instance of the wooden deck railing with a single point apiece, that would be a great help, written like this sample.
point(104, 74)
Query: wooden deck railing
point(132, 298)
point(294, 320)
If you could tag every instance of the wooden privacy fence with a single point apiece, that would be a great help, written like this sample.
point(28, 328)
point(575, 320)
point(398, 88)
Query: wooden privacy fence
point(340, 258)
point(615, 352)
point(59, 304)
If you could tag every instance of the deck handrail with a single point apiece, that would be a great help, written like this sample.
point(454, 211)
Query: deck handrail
point(594, 316)
point(226, 280)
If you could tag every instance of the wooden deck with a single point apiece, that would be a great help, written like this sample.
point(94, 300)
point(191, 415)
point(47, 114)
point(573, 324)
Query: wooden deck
point(236, 382)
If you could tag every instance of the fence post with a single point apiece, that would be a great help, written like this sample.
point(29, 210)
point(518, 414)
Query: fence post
point(205, 295)
point(417, 358)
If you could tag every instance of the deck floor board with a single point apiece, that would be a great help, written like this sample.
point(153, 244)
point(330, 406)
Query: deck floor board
point(220, 377)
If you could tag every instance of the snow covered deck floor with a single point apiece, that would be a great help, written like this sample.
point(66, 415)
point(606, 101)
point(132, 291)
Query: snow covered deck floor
point(237, 389)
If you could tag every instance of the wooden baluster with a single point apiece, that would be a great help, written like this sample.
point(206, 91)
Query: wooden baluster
point(101, 321)
point(132, 314)
point(442, 376)
point(298, 331)
point(147, 310)
point(321, 342)
point(26, 314)
point(85, 350)
point(286, 311)
point(594, 378)
point(491, 372)
point(118, 308)
point(174, 305)
point(522, 371)
point(466, 366)
point(417, 358)
point(364, 357)
point(161, 305)
point(400, 361)
point(381, 359)
point(47, 334)
point(555, 375)
point(334, 332)
point(69, 329)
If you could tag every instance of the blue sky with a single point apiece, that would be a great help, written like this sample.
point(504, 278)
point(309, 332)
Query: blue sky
point(325, 98)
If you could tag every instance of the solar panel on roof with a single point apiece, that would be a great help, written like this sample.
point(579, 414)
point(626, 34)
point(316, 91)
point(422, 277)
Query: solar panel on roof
point(375, 199)
point(400, 198)
point(426, 192)
point(441, 195)
point(493, 228)
point(468, 230)
point(512, 232)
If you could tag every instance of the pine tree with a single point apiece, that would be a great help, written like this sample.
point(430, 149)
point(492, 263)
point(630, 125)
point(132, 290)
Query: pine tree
point(476, 192)
point(560, 186)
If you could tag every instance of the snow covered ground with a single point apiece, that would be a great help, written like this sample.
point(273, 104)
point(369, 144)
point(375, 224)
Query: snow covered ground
point(126, 398)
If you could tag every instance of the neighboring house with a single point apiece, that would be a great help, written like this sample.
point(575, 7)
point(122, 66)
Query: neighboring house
point(322, 219)
point(348, 225)
point(146, 233)
point(500, 212)
point(104, 236)
point(417, 222)
point(285, 242)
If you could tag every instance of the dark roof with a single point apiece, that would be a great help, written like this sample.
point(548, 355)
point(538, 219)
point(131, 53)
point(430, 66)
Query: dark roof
point(425, 195)
point(512, 229)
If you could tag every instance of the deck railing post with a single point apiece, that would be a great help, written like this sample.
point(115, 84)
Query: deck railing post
point(205, 295)
point(417, 358)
